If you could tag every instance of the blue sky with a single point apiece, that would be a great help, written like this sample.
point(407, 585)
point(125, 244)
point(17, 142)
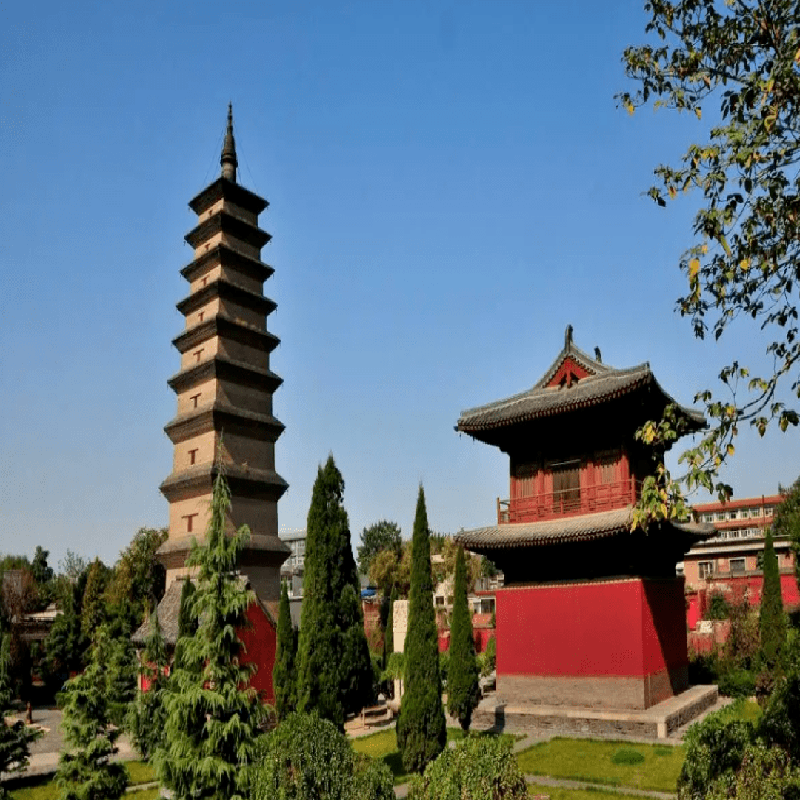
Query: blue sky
point(451, 184)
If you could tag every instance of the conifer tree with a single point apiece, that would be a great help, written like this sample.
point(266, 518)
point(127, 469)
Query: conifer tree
point(388, 639)
point(772, 623)
point(14, 736)
point(421, 727)
point(284, 677)
point(85, 769)
point(187, 625)
point(148, 715)
point(463, 692)
point(334, 670)
point(213, 715)
point(93, 610)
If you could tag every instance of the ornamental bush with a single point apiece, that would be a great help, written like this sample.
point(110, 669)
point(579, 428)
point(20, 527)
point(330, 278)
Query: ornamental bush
point(477, 768)
point(714, 750)
point(307, 758)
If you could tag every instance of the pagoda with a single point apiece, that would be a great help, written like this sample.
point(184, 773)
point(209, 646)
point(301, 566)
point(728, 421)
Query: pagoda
point(224, 389)
point(592, 613)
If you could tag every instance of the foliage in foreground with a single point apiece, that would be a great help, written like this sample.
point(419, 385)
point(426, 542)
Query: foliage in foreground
point(477, 768)
point(85, 771)
point(421, 727)
point(307, 758)
point(738, 60)
point(213, 715)
point(463, 693)
point(771, 621)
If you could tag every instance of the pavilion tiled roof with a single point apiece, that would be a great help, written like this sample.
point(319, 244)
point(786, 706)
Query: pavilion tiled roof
point(583, 528)
point(602, 383)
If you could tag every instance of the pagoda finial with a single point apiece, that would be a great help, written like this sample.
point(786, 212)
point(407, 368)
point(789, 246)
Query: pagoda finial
point(228, 157)
point(568, 337)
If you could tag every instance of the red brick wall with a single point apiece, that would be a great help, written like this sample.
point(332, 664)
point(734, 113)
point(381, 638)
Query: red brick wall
point(627, 628)
point(260, 641)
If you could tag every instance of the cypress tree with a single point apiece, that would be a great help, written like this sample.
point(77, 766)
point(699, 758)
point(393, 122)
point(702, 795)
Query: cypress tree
point(213, 715)
point(463, 692)
point(85, 770)
point(772, 623)
point(421, 727)
point(187, 625)
point(388, 639)
point(284, 678)
point(334, 670)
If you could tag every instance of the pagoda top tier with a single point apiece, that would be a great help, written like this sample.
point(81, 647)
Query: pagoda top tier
point(574, 382)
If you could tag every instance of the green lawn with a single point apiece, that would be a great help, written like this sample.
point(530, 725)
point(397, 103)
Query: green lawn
point(45, 789)
point(557, 793)
point(640, 766)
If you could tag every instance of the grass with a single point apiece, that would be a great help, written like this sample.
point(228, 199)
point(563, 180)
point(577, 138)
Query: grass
point(384, 745)
point(45, 788)
point(606, 762)
point(559, 793)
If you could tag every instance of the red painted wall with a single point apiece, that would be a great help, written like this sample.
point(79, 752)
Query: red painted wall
point(260, 641)
point(626, 628)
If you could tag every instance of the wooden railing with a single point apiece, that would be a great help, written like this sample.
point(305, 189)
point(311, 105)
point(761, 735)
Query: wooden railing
point(569, 502)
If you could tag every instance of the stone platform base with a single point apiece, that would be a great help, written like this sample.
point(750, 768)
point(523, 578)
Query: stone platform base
point(656, 722)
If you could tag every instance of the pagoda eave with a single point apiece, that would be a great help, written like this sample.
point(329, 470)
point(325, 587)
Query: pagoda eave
point(222, 188)
point(228, 223)
point(225, 290)
point(260, 484)
point(228, 328)
point(228, 256)
point(224, 417)
point(225, 368)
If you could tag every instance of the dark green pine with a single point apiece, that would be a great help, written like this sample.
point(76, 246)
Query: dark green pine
point(463, 692)
point(772, 622)
point(284, 677)
point(334, 671)
point(421, 727)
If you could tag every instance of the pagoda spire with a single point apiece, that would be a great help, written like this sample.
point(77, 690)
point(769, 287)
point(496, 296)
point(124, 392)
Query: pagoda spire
point(228, 158)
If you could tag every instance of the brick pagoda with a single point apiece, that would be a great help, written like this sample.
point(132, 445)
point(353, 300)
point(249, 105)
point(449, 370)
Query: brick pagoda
point(592, 613)
point(224, 402)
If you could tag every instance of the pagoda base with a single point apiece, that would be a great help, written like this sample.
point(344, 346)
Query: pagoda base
point(657, 722)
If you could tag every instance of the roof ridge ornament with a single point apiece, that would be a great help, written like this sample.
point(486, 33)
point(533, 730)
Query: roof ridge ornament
point(568, 338)
point(228, 159)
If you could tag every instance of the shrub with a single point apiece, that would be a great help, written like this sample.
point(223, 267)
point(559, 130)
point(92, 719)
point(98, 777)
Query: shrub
point(627, 756)
point(488, 658)
point(780, 723)
point(714, 749)
point(766, 773)
point(718, 607)
point(307, 758)
point(737, 682)
point(477, 767)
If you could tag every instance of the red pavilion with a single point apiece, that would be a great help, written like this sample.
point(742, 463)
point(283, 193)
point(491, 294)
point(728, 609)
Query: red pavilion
point(592, 614)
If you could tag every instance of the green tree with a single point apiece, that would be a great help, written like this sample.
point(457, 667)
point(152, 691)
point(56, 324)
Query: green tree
point(771, 621)
point(93, 611)
point(307, 758)
point(121, 676)
point(139, 579)
point(65, 645)
point(187, 624)
point(786, 521)
point(421, 727)
point(15, 738)
point(213, 715)
point(147, 715)
point(283, 673)
point(463, 692)
point(737, 61)
point(388, 640)
point(383, 535)
point(477, 768)
point(85, 771)
point(334, 670)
